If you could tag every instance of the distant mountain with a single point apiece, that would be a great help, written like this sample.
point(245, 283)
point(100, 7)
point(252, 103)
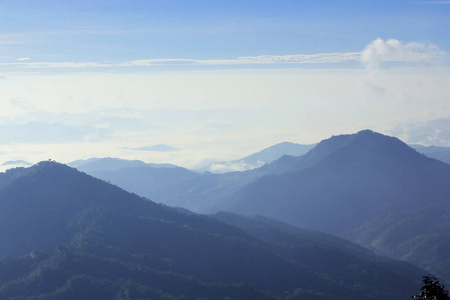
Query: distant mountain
point(14, 164)
point(440, 153)
point(176, 186)
point(206, 193)
point(111, 164)
point(71, 236)
point(370, 188)
point(258, 159)
point(169, 184)
point(144, 179)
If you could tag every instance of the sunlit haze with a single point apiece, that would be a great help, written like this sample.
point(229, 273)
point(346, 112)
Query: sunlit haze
point(190, 82)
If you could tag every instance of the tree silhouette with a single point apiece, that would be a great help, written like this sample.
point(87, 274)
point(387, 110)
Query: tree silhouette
point(432, 290)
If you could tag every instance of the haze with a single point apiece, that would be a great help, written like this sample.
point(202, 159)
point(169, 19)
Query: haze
point(186, 82)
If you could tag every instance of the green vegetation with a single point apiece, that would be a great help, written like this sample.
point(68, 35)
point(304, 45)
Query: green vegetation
point(432, 290)
point(70, 236)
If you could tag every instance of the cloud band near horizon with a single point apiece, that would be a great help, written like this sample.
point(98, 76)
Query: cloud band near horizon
point(375, 52)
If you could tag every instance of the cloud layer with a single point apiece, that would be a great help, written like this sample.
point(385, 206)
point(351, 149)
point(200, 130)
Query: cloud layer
point(434, 132)
point(44, 133)
point(393, 50)
point(320, 58)
point(156, 148)
point(375, 52)
point(220, 114)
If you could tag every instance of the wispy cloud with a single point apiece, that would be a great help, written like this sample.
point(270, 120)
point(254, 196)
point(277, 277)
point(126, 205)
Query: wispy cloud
point(56, 65)
point(434, 132)
point(249, 60)
point(321, 58)
point(393, 50)
point(376, 52)
point(232, 167)
point(155, 148)
point(161, 61)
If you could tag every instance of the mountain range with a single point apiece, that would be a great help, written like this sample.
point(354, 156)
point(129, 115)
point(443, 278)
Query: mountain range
point(257, 159)
point(196, 190)
point(369, 188)
point(145, 179)
point(67, 235)
point(440, 153)
point(366, 187)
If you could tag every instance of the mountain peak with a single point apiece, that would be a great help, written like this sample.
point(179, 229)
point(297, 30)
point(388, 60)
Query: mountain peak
point(341, 171)
point(42, 167)
point(361, 144)
point(366, 132)
point(348, 146)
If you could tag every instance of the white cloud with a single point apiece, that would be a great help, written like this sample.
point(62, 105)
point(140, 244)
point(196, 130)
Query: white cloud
point(23, 59)
point(156, 148)
point(253, 107)
point(393, 50)
point(250, 60)
point(434, 132)
point(232, 167)
point(162, 61)
point(299, 58)
point(376, 52)
point(321, 58)
point(55, 65)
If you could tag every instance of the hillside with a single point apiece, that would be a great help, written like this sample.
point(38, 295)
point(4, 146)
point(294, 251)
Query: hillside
point(440, 153)
point(144, 179)
point(366, 187)
point(370, 188)
point(169, 184)
point(176, 186)
point(68, 235)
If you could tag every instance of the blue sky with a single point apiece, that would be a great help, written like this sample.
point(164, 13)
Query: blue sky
point(217, 79)
point(120, 31)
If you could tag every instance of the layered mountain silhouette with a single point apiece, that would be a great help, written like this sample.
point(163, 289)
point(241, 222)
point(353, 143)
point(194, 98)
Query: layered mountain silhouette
point(440, 153)
point(169, 184)
point(112, 164)
point(145, 179)
point(14, 164)
point(67, 235)
point(367, 187)
point(176, 186)
point(361, 173)
point(258, 159)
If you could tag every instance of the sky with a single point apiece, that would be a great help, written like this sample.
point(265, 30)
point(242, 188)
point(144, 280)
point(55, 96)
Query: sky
point(192, 82)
